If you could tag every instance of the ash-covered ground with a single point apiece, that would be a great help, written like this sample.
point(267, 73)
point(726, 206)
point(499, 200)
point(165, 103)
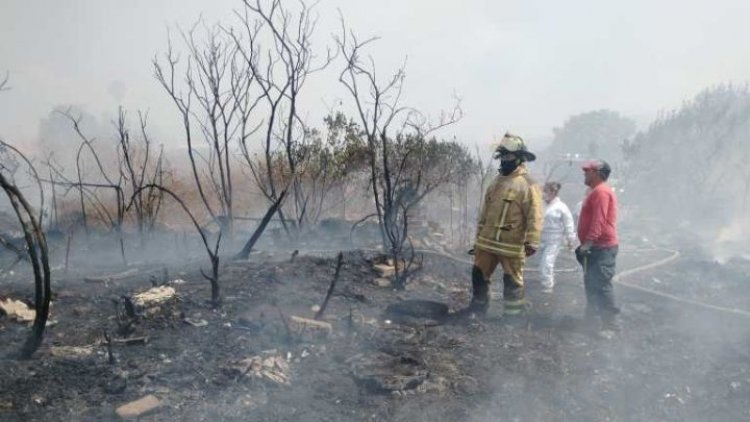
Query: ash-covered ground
point(250, 361)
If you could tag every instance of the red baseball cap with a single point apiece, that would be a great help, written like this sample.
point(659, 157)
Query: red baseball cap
point(599, 165)
point(590, 165)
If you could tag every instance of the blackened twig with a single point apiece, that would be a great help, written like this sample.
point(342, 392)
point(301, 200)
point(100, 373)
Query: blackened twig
point(67, 251)
point(286, 324)
point(108, 341)
point(339, 261)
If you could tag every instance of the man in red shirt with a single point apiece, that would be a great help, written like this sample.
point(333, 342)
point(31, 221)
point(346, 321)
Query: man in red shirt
point(597, 232)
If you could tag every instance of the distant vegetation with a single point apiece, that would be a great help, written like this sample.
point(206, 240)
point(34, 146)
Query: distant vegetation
point(692, 163)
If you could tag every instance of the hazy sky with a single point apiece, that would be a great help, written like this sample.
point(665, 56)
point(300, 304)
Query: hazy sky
point(521, 65)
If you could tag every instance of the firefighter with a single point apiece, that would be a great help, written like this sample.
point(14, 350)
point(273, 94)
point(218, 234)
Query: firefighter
point(558, 229)
point(509, 228)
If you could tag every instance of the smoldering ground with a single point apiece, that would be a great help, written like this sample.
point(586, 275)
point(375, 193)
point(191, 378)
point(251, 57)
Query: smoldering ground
point(682, 182)
point(672, 362)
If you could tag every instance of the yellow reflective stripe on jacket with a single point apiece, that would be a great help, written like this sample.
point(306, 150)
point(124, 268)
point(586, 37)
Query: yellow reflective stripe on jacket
point(500, 248)
point(501, 221)
point(511, 215)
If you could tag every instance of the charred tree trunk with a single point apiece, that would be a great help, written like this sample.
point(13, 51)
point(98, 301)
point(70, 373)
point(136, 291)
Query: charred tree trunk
point(245, 252)
point(37, 251)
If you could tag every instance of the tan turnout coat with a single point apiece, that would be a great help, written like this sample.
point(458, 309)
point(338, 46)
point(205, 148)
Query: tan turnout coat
point(511, 215)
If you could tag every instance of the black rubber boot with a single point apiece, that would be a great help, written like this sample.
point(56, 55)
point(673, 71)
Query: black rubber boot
point(480, 295)
point(610, 322)
point(514, 301)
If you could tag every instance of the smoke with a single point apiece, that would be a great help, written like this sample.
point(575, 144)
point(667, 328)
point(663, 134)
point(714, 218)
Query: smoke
point(732, 240)
point(117, 90)
point(57, 137)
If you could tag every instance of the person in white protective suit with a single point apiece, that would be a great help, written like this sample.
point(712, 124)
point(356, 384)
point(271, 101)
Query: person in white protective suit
point(557, 231)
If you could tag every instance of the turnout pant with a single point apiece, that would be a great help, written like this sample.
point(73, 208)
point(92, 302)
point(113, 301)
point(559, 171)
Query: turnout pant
point(598, 271)
point(513, 288)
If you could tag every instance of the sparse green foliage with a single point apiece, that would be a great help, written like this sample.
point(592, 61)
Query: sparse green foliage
point(327, 160)
point(418, 167)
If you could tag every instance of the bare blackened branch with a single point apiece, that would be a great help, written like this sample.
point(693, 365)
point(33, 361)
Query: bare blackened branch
point(213, 253)
point(36, 247)
point(331, 287)
point(405, 166)
point(183, 102)
point(280, 71)
point(34, 175)
point(4, 82)
point(424, 126)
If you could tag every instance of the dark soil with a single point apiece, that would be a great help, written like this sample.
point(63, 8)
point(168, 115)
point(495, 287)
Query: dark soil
point(671, 362)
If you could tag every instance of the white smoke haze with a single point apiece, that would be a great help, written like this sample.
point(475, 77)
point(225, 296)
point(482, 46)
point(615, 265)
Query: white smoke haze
point(525, 66)
point(657, 89)
point(732, 241)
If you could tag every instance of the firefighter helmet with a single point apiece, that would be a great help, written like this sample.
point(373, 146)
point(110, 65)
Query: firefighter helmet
point(514, 144)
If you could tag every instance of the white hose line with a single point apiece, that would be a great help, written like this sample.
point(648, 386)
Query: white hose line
point(674, 256)
point(617, 278)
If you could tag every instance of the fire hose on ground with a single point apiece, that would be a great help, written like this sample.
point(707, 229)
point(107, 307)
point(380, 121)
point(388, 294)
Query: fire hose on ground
point(617, 279)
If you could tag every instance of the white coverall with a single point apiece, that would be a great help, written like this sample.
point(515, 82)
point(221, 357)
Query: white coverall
point(558, 228)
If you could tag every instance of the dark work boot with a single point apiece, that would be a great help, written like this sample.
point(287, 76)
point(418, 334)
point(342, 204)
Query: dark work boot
point(591, 322)
point(514, 303)
point(590, 313)
point(480, 294)
point(516, 312)
point(610, 326)
point(610, 322)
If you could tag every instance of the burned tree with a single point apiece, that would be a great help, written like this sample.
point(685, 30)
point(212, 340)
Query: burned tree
point(215, 104)
point(420, 167)
point(377, 106)
point(211, 251)
point(135, 165)
point(139, 167)
point(238, 82)
point(36, 246)
point(280, 71)
point(405, 165)
point(329, 164)
point(332, 159)
point(89, 191)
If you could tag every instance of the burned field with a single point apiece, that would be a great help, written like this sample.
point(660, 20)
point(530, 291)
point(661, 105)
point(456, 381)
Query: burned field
point(262, 356)
point(284, 237)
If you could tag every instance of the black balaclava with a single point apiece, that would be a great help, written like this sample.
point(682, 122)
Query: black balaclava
point(509, 166)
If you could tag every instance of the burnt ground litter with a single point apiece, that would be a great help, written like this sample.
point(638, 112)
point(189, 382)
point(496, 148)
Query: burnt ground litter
point(672, 361)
